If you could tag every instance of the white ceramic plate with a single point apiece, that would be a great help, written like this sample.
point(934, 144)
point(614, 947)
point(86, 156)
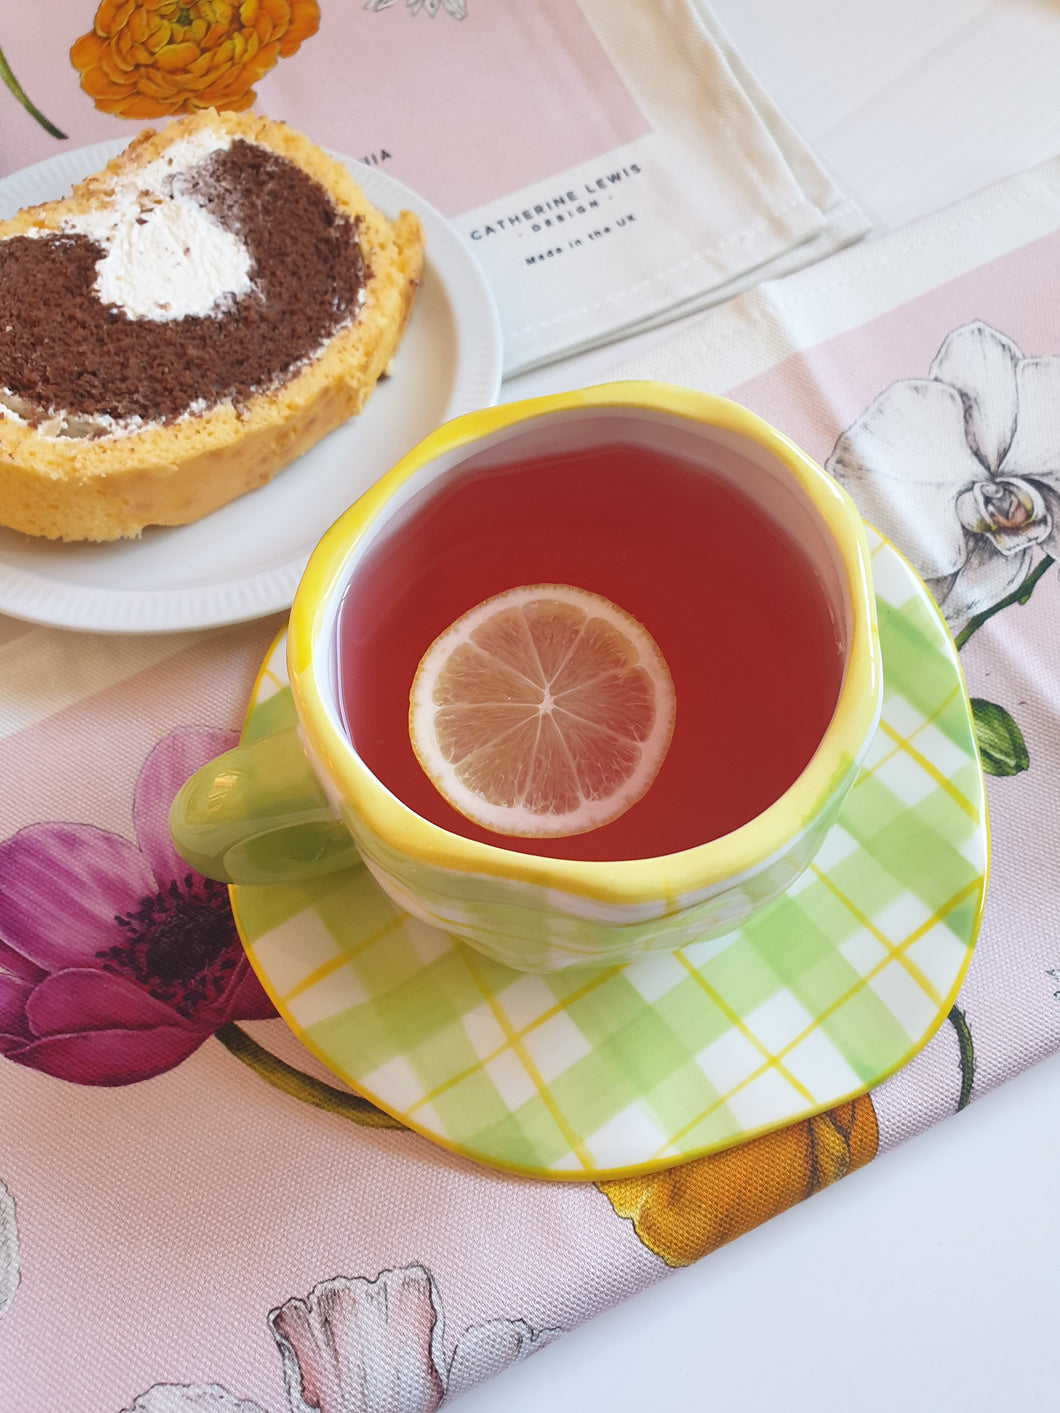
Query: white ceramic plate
point(245, 560)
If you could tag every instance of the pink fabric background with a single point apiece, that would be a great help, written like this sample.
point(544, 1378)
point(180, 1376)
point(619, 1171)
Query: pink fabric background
point(160, 1222)
point(189, 1205)
point(816, 393)
point(812, 396)
point(458, 130)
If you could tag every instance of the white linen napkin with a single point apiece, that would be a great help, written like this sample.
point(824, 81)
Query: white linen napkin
point(715, 193)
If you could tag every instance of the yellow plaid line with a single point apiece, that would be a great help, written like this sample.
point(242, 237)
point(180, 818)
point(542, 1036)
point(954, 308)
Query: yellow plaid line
point(572, 1140)
point(906, 744)
point(736, 1021)
point(902, 742)
point(336, 963)
point(893, 949)
point(596, 979)
point(957, 899)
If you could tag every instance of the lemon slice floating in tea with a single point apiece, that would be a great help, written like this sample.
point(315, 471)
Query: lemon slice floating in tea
point(546, 710)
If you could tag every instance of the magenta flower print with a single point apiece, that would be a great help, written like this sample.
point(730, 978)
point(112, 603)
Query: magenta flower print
point(116, 961)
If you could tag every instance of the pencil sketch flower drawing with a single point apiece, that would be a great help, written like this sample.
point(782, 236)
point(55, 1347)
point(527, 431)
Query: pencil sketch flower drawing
point(355, 1345)
point(456, 8)
point(962, 469)
point(369, 1346)
point(8, 1249)
point(191, 1398)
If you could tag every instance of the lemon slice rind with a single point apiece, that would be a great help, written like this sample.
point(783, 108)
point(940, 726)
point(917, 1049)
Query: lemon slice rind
point(509, 686)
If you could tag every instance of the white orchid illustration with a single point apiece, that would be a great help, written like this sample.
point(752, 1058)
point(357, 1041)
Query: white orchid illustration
point(456, 8)
point(8, 1249)
point(376, 1346)
point(962, 469)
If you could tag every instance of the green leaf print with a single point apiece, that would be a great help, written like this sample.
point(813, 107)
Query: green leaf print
point(1020, 595)
point(16, 88)
point(1001, 744)
point(967, 1056)
point(301, 1086)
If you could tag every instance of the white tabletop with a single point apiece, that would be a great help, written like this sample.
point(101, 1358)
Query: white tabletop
point(929, 1279)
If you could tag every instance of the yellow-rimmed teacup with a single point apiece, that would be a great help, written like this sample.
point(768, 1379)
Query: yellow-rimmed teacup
point(303, 802)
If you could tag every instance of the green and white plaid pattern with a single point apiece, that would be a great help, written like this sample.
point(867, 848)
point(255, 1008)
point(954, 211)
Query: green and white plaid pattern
point(582, 1074)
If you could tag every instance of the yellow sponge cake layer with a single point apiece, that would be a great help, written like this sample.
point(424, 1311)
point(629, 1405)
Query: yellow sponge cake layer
point(188, 322)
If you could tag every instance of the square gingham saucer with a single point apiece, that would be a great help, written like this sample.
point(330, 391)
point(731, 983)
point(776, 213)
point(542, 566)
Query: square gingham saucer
point(591, 1074)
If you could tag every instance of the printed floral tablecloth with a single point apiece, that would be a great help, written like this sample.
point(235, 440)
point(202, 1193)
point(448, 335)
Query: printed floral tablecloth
point(192, 1214)
point(255, 1238)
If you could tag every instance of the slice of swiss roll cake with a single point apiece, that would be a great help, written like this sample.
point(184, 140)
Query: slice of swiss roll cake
point(186, 323)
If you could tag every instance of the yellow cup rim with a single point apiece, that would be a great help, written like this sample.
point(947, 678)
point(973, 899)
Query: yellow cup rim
point(625, 882)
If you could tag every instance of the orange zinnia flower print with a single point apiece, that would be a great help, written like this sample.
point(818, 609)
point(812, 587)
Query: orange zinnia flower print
point(156, 58)
point(686, 1212)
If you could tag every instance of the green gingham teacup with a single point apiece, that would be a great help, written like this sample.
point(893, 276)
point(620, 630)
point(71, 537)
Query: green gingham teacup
point(303, 802)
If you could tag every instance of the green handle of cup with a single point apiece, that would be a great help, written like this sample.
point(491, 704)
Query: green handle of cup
point(258, 814)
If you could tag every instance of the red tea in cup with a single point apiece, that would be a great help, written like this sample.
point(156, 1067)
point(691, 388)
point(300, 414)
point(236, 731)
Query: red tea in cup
point(733, 602)
point(679, 526)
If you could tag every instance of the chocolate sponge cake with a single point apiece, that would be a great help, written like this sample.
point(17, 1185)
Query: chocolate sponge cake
point(186, 323)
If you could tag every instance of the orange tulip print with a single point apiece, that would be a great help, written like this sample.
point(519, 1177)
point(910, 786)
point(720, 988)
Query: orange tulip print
point(158, 58)
point(686, 1212)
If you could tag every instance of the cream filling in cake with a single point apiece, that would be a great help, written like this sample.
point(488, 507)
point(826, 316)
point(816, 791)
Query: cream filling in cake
point(166, 257)
point(214, 272)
